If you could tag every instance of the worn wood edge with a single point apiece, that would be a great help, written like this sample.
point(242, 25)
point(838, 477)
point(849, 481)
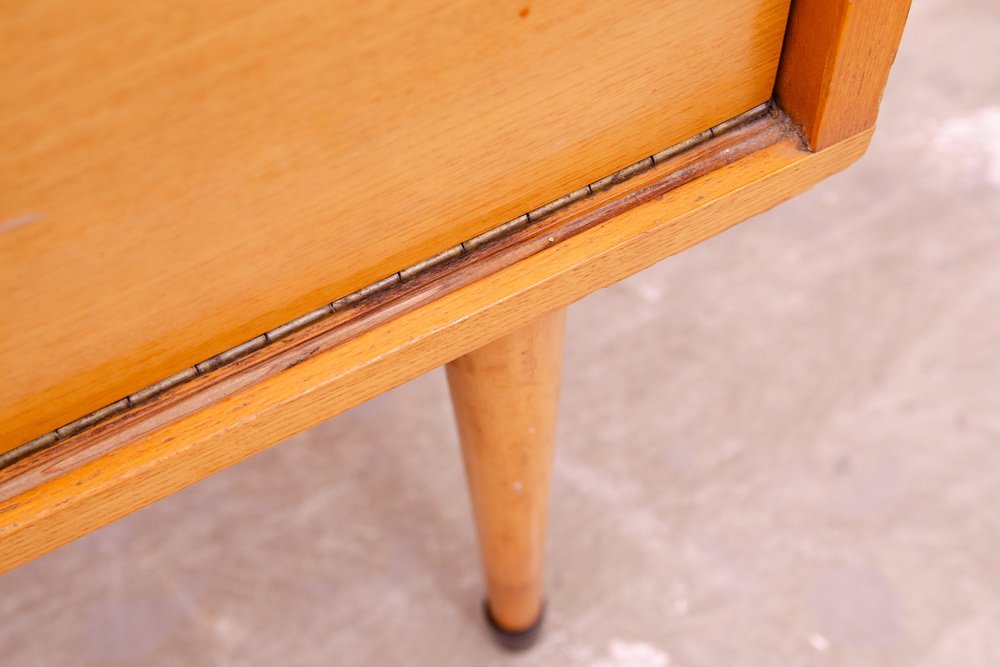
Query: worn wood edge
point(835, 63)
point(350, 301)
point(68, 491)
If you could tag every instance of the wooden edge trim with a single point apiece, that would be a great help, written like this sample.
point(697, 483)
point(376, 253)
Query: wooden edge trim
point(215, 420)
point(835, 63)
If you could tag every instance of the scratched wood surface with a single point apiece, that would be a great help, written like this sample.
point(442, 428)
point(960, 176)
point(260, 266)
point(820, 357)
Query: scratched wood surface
point(176, 178)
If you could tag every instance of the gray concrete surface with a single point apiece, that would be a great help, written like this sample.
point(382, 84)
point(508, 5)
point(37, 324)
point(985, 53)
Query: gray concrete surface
point(779, 448)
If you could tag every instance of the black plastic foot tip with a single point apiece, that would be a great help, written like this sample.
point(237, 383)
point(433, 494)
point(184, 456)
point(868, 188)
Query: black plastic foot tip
point(514, 641)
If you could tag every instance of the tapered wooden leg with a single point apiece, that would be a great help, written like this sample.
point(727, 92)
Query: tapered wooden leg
point(506, 398)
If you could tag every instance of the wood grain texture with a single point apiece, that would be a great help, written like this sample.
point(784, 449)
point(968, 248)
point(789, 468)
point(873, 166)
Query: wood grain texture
point(835, 63)
point(506, 400)
point(64, 493)
point(381, 308)
point(176, 178)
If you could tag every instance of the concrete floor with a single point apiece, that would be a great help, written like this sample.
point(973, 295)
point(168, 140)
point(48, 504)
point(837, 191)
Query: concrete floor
point(779, 448)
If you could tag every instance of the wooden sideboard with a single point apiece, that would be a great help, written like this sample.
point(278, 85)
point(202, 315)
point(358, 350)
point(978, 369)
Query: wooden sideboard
point(221, 225)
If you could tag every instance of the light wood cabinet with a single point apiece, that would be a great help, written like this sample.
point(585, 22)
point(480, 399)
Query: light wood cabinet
point(221, 224)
